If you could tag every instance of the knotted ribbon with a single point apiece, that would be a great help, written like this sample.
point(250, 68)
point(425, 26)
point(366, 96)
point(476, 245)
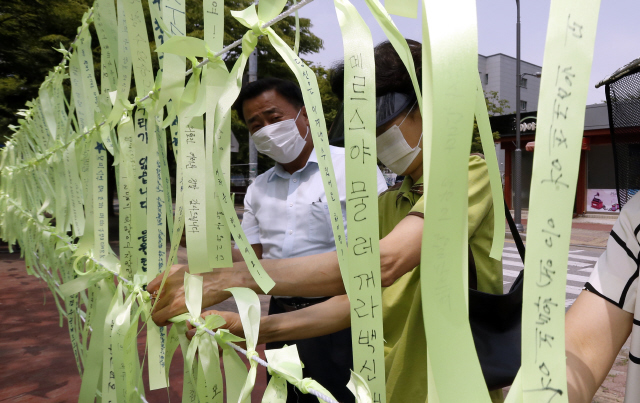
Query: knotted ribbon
point(285, 366)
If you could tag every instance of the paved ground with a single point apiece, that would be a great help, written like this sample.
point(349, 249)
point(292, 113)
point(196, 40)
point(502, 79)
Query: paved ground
point(38, 364)
point(36, 360)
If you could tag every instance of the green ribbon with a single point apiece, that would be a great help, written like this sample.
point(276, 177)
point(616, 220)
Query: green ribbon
point(93, 363)
point(121, 102)
point(360, 389)
point(139, 200)
point(208, 382)
point(285, 366)
point(126, 186)
point(249, 310)
point(107, 29)
point(234, 368)
point(217, 135)
point(447, 121)
point(365, 292)
point(563, 93)
point(396, 39)
point(495, 180)
point(108, 389)
point(209, 385)
point(139, 43)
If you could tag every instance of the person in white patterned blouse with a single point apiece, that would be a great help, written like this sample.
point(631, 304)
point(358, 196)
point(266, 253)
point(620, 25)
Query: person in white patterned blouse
point(606, 312)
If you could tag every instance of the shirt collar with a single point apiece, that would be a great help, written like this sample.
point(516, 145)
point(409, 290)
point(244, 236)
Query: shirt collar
point(280, 171)
point(410, 190)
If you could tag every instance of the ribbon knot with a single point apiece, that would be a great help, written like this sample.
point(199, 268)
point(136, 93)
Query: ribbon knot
point(257, 28)
point(304, 384)
point(251, 352)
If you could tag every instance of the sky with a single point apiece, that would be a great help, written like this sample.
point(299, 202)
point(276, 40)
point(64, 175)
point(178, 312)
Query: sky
point(617, 38)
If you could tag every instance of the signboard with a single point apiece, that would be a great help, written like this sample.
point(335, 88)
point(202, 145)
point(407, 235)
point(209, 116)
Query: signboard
point(602, 200)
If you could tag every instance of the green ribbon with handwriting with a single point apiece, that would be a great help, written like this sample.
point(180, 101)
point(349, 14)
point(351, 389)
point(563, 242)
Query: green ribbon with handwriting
point(563, 94)
point(365, 292)
point(449, 70)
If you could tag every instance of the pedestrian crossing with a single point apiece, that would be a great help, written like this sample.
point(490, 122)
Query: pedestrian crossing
point(580, 267)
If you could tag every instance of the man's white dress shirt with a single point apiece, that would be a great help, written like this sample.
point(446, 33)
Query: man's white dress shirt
point(288, 213)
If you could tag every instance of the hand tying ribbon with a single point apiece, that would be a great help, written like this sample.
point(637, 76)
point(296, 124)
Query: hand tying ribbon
point(208, 380)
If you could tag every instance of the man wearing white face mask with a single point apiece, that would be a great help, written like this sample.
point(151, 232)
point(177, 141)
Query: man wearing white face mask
point(286, 214)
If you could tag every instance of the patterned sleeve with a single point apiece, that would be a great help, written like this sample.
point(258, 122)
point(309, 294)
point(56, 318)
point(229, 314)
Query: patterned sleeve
point(615, 276)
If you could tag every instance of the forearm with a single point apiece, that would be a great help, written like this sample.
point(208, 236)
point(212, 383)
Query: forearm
point(595, 332)
point(400, 249)
point(317, 320)
point(309, 276)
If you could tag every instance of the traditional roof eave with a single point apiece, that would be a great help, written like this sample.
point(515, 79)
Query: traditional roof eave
point(621, 72)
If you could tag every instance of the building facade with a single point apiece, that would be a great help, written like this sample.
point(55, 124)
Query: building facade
point(498, 73)
point(596, 187)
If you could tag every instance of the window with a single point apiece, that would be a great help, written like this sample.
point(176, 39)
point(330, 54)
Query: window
point(523, 105)
point(486, 79)
point(523, 82)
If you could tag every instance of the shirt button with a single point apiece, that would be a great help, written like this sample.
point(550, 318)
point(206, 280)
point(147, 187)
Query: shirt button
point(291, 205)
point(295, 180)
point(290, 232)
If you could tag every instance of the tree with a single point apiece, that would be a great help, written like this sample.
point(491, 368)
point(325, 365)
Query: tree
point(29, 32)
point(31, 29)
point(495, 106)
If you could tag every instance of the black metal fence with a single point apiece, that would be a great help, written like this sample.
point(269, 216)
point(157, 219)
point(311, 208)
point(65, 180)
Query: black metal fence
point(623, 102)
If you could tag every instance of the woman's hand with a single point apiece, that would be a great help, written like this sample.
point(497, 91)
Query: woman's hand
point(232, 319)
point(171, 301)
point(233, 324)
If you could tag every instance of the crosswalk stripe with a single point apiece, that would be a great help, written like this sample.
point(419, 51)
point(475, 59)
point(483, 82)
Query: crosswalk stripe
point(589, 258)
point(569, 302)
point(588, 269)
point(572, 277)
point(571, 255)
point(570, 262)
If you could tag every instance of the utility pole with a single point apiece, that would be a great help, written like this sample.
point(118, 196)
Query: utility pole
point(517, 174)
point(253, 153)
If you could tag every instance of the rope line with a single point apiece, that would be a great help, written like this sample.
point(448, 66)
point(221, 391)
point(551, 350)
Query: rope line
point(263, 362)
point(238, 42)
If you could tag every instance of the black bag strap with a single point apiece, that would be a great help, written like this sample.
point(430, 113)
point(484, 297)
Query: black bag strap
point(473, 275)
point(514, 231)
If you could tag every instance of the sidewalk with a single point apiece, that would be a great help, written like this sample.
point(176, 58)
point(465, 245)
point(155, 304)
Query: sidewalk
point(38, 364)
point(588, 231)
point(37, 360)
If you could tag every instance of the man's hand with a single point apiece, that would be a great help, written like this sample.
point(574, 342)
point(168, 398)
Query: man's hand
point(233, 324)
point(171, 301)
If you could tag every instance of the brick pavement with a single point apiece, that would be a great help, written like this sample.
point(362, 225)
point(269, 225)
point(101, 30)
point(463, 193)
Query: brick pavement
point(38, 364)
point(36, 360)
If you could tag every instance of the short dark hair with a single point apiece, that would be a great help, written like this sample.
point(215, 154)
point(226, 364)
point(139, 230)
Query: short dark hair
point(391, 74)
point(288, 89)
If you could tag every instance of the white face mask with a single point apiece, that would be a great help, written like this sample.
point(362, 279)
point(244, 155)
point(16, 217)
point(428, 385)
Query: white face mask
point(394, 151)
point(281, 140)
